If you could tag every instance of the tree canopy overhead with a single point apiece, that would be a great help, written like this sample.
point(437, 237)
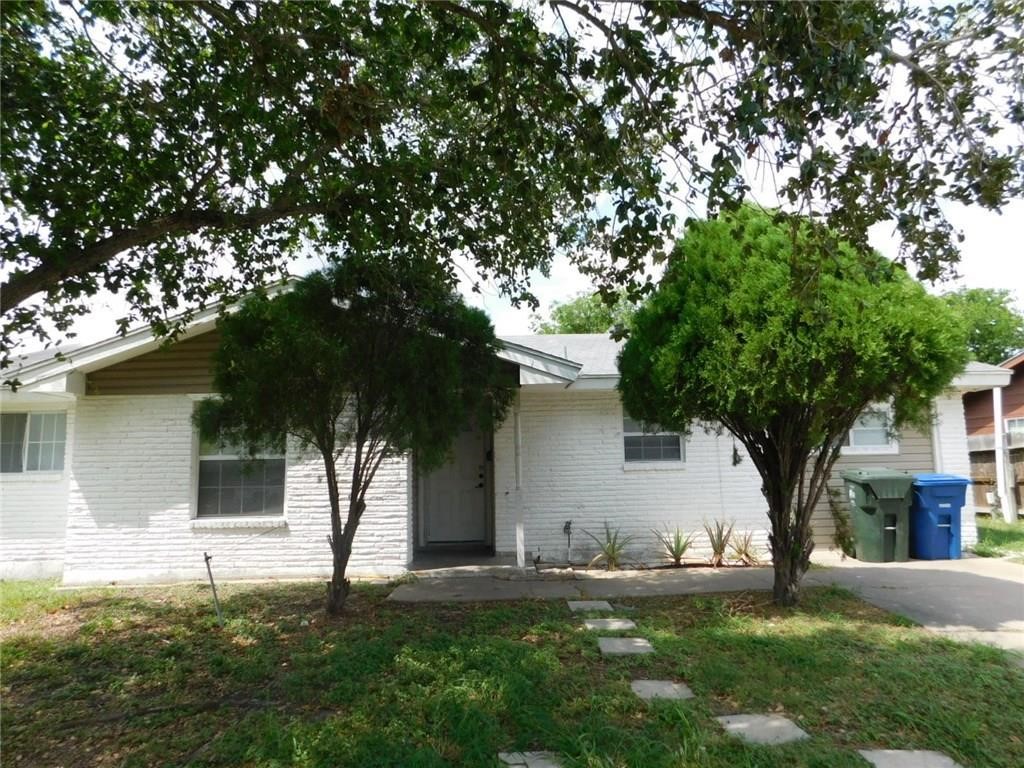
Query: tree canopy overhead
point(175, 152)
point(785, 346)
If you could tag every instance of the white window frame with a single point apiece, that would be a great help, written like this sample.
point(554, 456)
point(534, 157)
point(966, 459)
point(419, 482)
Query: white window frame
point(1010, 429)
point(892, 446)
point(246, 520)
point(647, 464)
point(25, 439)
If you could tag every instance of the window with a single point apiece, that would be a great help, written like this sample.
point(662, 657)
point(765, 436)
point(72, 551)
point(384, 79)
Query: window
point(649, 442)
point(32, 442)
point(1015, 430)
point(872, 433)
point(232, 484)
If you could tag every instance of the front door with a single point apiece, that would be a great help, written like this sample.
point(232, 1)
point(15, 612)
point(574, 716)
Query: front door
point(455, 494)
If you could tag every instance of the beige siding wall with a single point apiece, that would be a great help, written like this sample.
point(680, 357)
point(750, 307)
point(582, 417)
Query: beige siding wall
point(179, 369)
point(915, 455)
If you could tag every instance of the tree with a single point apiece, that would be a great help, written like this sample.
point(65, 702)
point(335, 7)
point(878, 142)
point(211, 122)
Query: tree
point(587, 313)
point(995, 327)
point(176, 153)
point(754, 329)
point(368, 359)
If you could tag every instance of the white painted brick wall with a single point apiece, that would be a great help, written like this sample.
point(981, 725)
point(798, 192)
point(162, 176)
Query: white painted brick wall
point(953, 457)
point(573, 468)
point(33, 512)
point(131, 504)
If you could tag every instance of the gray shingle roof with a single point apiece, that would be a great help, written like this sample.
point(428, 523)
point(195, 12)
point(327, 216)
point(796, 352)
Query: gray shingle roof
point(596, 352)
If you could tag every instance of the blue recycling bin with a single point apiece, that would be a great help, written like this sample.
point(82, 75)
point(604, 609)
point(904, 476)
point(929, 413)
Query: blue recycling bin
point(935, 506)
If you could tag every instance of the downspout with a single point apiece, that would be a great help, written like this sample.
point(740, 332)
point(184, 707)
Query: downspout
point(520, 523)
point(1006, 500)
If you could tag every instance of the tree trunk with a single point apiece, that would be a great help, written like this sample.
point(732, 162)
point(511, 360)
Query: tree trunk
point(338, 586)
point(788, 574)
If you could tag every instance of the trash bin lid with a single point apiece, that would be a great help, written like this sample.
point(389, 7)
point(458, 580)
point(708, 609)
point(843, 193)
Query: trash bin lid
point(939, 478)
point(884, 483)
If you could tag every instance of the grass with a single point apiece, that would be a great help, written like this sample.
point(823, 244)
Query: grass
point(146, 677)
point(997, 538)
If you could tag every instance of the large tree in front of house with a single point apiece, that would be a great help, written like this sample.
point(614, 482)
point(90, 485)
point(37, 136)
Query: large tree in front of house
point(368, 359)
point(995, 327)
point(756, 329)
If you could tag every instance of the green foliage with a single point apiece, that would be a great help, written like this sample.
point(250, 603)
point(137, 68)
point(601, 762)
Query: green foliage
point(371, 357)
point(588, 313)
point(997, 538)
point(743, 549)
point(178, 152)
point(843, 534)
point(995, 326)
point(612, 547)
point(674, 543)
point(719, 535)
point(756, 329)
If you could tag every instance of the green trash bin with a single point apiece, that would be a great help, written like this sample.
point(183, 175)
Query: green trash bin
point(880, 513)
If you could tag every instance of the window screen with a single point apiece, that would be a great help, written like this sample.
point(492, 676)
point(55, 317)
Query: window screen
point(12, 441)
point(649, 442)
point(32, 442)
point(232, 485)
point(871, 431)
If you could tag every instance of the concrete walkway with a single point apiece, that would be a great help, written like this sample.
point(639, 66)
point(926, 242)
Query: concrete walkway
point(977, 599)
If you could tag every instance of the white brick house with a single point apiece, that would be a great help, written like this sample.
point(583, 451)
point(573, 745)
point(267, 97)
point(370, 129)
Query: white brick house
point(105, 479)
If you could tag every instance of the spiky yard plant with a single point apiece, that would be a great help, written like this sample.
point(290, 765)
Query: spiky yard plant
point(719, 535)
point(674, 544)
point(743, 549)
point(611, 547)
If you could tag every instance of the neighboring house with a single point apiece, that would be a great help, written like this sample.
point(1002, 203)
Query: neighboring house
point(995, 439)
point(106, 479)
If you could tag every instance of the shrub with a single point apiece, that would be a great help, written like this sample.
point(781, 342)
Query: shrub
point(674, 544)
point(612, 547)
point(743, 549)
point(718, 535)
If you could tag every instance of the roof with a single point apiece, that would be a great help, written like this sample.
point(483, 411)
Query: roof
point(977, 376)
point(1013, 360)
point(597, 353)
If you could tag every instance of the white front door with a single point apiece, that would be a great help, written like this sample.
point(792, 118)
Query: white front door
point(454, 495)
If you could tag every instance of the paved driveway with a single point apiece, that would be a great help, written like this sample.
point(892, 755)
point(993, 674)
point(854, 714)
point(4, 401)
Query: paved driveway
point(976, 598)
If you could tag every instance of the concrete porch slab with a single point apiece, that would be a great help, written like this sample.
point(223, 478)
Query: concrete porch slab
point(762, 729)
point(529, 759)
point(609, 625)
point(661, 689)
point(578, 606)
point(907, 758)
point(623, 646)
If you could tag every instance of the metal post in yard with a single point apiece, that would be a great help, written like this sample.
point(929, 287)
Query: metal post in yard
point(216, 602)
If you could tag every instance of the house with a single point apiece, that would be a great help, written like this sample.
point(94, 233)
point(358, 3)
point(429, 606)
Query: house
point(105, 478)
point(995, 438)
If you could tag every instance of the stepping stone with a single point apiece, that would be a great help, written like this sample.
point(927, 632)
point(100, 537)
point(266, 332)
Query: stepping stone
point(907, 758)
point(661, 689)
point(609, 624)
point(623, 646)
point(762, 729)
point(576, 606)
point(530, 759)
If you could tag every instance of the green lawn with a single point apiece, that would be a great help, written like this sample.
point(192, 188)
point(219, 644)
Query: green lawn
point(145, 677)
point(997, 538)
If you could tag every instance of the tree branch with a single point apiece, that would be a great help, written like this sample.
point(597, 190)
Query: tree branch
point(23, 285)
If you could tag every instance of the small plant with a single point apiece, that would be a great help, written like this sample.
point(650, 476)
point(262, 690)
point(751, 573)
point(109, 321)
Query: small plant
point(718, 535)
point(674, 544)
point(843, 536)
point(743, 549)
point(611, 548)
